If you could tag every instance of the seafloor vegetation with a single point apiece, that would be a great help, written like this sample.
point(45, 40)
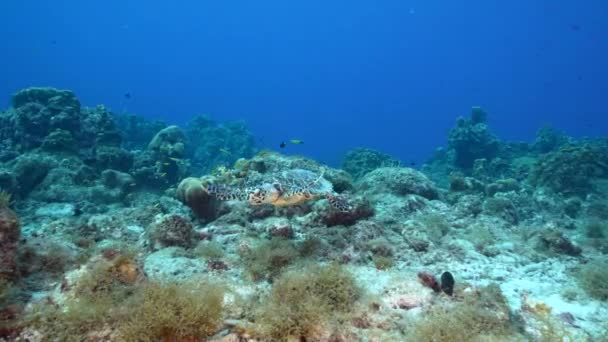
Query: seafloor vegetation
point(117, 228)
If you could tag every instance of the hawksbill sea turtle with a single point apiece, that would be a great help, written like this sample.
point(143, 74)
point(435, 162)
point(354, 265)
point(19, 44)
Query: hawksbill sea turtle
point(281, 189)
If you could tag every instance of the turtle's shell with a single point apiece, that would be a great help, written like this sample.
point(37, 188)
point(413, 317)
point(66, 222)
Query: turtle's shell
point(298, 180)
point(289, 187)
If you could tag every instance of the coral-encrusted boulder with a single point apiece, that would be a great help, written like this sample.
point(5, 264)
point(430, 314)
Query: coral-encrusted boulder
point(172, 230)
point(397, 181)
point(10, 232)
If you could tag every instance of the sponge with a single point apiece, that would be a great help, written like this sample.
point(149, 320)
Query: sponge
point(192, 192)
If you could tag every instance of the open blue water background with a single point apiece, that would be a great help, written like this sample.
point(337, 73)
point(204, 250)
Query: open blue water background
point(391, 75)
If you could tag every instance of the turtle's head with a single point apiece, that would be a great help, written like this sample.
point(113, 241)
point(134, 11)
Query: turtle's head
point(267, 193)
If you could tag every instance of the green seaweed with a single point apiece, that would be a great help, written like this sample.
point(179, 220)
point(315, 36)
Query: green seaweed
point(383, 262)
point(268, 259)
point(482, 315)
point(152, 312)
point(209, 250)
point(317, 297)
point(5, 199)
point(593, 278)
point(175, 312)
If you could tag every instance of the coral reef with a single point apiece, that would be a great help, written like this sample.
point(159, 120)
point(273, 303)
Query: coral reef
point(121, 228)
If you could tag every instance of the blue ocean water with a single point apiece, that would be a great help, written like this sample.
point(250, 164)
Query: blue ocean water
point(391, 75)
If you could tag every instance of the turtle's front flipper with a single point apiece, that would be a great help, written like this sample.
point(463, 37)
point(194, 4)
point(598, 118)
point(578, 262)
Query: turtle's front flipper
point(339, 202)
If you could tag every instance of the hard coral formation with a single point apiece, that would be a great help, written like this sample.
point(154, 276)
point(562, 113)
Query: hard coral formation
point(548, 139)
point(471, 140)
point(572, 169)
point(360, 161)
point(398, 181)
point(39, 111)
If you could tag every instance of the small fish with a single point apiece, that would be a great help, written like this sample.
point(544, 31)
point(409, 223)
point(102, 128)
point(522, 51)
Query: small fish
point(128, 96)
point(225, 151)
point(166, 163)
point(175, 159)
point(283, 144)
point(296, 141)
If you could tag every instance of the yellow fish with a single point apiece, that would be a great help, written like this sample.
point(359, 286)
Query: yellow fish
point(296, 141)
